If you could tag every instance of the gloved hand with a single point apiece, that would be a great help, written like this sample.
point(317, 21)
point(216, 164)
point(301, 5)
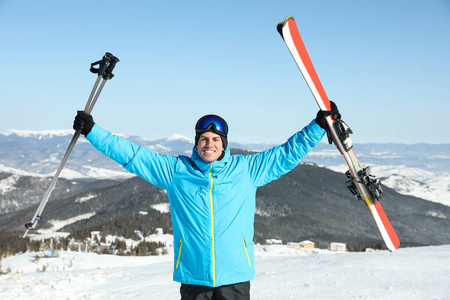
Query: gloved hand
point(322, 114)
point(83, 122)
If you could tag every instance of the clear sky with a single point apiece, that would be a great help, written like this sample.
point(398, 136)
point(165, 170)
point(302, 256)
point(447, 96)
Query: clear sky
point(385, 63)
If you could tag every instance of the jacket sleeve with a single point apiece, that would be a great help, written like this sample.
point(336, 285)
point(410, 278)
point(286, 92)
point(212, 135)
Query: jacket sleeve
point(269, 165)
point(155, 168)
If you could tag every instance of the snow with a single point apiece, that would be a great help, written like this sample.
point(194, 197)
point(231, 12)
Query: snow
point(58, 224)
point(325, 153)
point(7, 184)
point(101, 173)
point(415, 182)
point(85, 198)
point(281, 273)
point(39, 134)
point(436, 214)
point(15, 171)
point(161, 207)
point(177, 137)
point(159, 148)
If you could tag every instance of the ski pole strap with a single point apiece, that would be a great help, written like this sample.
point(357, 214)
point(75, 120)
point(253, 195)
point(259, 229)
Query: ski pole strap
point(105, 66)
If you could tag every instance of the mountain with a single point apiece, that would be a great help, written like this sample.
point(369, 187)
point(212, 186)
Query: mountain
point(19, 192)
point(308, 203)
point(311, 202)
point(40, 153)
point(420, 170)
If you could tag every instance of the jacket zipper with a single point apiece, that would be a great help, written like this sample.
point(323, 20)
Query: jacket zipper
point(179, 253)
point(246, 252)
point(212, 227)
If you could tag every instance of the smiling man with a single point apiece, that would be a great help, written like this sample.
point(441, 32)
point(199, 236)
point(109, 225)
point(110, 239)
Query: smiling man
point(212, 198)
point(210, 146)
point(211, 137)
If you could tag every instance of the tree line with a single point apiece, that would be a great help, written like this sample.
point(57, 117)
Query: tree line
point(12, 243)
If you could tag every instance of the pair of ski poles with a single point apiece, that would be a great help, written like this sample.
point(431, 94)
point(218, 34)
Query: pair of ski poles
point(104, 70)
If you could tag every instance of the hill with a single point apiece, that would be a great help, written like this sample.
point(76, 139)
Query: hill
point(310, 202)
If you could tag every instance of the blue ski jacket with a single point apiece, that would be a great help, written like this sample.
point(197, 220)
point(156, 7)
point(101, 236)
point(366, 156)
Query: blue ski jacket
point(212, 204)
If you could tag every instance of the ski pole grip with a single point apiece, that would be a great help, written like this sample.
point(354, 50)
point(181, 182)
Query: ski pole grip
point(110, 67)
point(105, 66)
point(100, 69)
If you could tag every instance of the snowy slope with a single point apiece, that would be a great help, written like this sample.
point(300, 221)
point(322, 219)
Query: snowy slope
point(281, 273)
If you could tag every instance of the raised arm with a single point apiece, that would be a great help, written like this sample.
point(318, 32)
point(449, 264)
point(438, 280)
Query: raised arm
point(156, 168)
point(269, 165)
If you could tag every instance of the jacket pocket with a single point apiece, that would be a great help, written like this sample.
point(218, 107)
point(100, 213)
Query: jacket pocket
point(246, 252)
point(179, 253)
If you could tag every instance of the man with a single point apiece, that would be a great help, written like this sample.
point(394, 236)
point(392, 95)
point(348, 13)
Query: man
point(212, 198)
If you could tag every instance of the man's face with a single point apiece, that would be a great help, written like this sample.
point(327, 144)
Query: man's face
point(210, 146)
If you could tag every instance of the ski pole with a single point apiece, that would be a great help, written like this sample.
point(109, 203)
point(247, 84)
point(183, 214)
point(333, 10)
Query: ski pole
point(104, 70)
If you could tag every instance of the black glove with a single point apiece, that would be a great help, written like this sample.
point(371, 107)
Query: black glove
point(83, 122)
point(322, 114)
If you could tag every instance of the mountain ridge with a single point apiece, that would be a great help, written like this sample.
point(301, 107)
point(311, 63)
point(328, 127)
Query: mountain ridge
point(421, 170)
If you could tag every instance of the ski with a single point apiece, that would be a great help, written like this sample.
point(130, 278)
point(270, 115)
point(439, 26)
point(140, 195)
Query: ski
point(362, 184)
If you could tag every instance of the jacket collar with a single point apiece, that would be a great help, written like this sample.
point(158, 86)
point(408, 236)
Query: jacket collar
point(204, 166)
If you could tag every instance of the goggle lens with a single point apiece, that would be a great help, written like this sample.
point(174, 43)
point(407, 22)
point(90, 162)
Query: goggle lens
point(219, 124)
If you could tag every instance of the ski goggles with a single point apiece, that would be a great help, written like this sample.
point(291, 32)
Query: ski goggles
point(212, 122)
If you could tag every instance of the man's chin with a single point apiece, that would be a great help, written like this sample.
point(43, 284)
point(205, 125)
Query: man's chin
point(209, 158)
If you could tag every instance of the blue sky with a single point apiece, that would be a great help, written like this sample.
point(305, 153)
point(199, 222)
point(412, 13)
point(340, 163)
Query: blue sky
point(385, 63)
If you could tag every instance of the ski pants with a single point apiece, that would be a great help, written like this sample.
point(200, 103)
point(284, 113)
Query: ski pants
point(238, 291)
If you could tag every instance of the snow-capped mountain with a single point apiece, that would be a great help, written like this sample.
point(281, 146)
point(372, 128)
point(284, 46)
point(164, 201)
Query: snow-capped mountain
point(300, 195)
point(421, 170)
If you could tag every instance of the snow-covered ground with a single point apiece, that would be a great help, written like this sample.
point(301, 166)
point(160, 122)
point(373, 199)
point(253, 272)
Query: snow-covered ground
point(281, 273)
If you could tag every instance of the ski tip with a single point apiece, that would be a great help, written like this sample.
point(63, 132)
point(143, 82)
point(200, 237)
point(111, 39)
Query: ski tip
point(282, 24)
point(288, 18)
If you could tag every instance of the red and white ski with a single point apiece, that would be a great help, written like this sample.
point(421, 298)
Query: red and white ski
point(362, 184)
